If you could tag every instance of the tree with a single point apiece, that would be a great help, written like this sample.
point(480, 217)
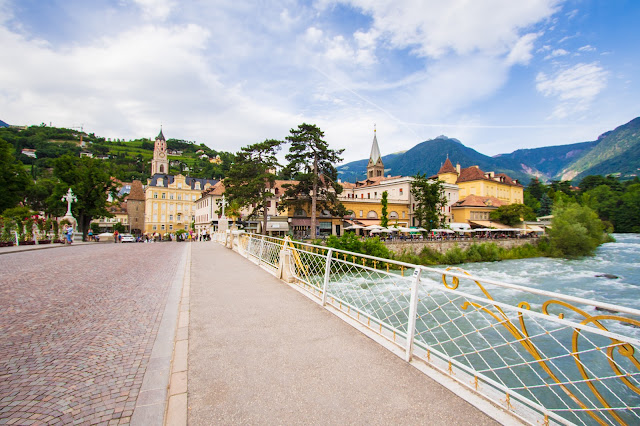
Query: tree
point(14, 179)
point(251, 177)
point(430, 199)
point(546, 204)
point(536, 188)
point(311, 163)
point(384, 220)
point(512, 214)
point(575, 230)
point(91, 182)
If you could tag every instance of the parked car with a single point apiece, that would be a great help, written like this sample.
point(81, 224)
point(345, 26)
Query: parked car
point(128, 238)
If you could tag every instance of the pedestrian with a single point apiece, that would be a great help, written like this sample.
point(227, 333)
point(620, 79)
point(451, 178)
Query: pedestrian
point(115, 236)
point(69, 234)
point(90, 234)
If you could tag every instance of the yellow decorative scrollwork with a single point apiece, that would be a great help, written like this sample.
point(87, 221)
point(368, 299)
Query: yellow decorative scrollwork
point(522, 336)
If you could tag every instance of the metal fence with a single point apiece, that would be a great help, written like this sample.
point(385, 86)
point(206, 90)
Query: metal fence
point(546, 357)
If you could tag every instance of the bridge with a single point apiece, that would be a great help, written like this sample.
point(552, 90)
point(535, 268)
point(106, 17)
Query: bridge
point(251, 329)
point(542, 357)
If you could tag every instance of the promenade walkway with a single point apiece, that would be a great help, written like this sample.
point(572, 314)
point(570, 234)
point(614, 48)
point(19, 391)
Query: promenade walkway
point(262, 353)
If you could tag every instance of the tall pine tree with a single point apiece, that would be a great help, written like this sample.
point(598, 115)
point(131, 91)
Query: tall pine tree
point(429, 196)
point(252, 176)
point(311, 163)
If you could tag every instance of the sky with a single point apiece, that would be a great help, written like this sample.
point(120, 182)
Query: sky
point(498, 75)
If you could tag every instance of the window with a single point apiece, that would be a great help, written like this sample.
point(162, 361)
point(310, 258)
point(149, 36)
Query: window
point(171, 196)
point(179, 187)
point(154, 227)
point(197, 185)
point(403, 215)
point(170, 227)
point(368, 195)
point(268, 203)
point(193, 198)
point(155, 195)
point(372, 215)
point(164, 196)
point(393, 215)
point(360, 213)
point(179, 196)
point(400, 191)
point(170, 217)
point(375, 195)
point(300, 212)
point(162, 227)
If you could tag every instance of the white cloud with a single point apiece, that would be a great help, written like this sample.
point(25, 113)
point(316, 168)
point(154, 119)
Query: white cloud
point(155, 9)
point(435, 28)
point(587, 48)
point(575, 87)
point(556, 53)
point(521, 51)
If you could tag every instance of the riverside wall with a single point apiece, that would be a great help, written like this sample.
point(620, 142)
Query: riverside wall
point(442, 246)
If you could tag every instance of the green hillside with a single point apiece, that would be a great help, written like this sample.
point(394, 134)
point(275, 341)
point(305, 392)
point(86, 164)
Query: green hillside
point(619, 144)
point(130, 159)
point(545, 162)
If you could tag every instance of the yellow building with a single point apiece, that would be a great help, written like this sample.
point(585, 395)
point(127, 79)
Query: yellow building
point(476, 211)
point(368, 212)
point(170, 200)
point(473, 181)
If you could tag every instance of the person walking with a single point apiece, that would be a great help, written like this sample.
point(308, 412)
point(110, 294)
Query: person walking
point(69, 232)
point(90, 234)
point(115, 236)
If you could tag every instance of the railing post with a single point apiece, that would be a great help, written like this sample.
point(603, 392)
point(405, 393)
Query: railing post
point(413, 308)
point(327, 270)
point(261, 250)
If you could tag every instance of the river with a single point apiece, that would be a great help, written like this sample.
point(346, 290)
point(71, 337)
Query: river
point(577, 277)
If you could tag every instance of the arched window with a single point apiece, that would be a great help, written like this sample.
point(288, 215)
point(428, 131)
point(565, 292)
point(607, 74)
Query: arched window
point(372, 215)
point(393, 215)
point(161, 168)
point(300, 212)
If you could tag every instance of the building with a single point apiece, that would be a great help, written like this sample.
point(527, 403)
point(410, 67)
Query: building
point(476, 211)
point(364, 198)
point(135, 207)
point(170, 201)
point(473, 181)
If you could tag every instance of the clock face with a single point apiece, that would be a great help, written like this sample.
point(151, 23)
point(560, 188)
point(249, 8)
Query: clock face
point(161, 154)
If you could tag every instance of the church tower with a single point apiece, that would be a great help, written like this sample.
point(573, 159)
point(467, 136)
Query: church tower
point(375, 168)
point(160, 164)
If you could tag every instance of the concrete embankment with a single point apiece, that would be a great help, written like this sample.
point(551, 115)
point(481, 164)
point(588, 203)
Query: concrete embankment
point(442, 246)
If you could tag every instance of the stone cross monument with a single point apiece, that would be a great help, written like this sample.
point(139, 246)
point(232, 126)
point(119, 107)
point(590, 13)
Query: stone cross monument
point(70, 198)
point(223, 222)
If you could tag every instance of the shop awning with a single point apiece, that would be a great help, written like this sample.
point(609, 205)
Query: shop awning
point(487, 224)
point(277, 226)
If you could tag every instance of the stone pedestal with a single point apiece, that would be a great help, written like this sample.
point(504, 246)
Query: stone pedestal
point(223, 224)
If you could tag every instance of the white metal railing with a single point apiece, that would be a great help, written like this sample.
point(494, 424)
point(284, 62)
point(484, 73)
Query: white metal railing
point(546, 357)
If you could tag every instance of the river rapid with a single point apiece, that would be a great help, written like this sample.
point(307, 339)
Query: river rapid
point(577, 277)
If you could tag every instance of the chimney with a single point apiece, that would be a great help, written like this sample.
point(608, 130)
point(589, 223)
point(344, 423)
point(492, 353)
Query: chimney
point(339, 180)
point(458, 168)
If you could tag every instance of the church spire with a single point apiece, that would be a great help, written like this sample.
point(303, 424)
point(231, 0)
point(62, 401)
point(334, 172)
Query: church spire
point(375, 168)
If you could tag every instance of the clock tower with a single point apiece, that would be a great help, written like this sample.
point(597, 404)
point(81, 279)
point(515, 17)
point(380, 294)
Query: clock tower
point(160, 164)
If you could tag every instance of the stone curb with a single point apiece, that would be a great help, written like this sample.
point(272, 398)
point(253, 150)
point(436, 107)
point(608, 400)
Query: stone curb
point(151, 405)
point(177, 405)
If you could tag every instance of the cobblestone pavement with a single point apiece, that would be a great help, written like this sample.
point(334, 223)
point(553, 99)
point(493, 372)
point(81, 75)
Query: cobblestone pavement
point(77, 325)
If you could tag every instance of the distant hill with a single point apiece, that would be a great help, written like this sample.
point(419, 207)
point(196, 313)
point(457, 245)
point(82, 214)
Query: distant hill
point(617, 149)
point(614, 152)
point(3, 124)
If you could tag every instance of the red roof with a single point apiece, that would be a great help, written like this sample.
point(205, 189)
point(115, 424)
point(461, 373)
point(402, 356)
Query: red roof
point(447, 167)
point(477, 201)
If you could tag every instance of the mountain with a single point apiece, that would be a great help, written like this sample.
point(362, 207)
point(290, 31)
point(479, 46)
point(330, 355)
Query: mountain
point(614, 152)
point(546, 162)
point(3, 124)
point(427, 157)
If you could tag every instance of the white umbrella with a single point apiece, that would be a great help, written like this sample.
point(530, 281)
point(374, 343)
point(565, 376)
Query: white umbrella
point(385, 230)
point(419, 230)
point(354, 226)
point(374, 227)
point(375, 231)
point(405, 229)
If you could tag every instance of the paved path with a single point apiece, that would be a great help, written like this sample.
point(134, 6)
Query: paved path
point(78, 325)
point(262, 353)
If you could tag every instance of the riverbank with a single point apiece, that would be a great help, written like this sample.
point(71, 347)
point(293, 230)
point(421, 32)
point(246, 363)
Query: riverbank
point(442, 246)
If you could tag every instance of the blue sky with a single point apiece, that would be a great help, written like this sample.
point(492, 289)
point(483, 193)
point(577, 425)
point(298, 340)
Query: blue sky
point(497, 74)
